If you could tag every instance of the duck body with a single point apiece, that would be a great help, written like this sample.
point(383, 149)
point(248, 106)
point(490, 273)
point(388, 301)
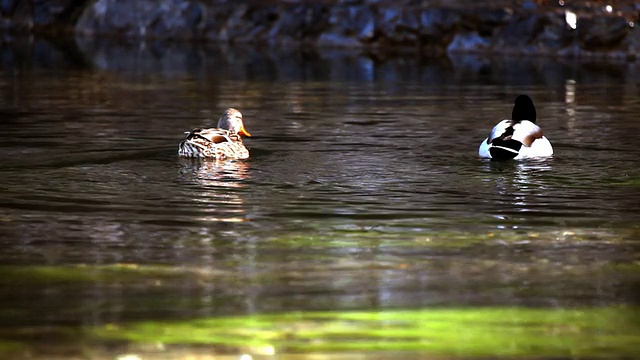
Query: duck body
point(213, 143)
point(517, 138)
point(221, 143)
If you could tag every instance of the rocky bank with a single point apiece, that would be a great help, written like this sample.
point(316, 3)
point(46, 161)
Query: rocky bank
point(574, 28)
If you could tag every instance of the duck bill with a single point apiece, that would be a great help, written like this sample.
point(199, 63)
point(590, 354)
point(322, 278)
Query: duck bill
point(244, 132)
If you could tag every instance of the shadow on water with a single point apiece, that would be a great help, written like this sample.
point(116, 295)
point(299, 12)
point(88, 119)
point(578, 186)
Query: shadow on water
point(363, 213)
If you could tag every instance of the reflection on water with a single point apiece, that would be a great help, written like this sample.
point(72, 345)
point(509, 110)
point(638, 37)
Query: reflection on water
point(216, 183)
point(522, 191)
point(363, 190)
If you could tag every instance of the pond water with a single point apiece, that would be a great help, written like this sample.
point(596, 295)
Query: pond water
point(364, 191)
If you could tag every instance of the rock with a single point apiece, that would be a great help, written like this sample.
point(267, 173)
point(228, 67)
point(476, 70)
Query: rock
point(554, 35)
point(468, 42)
point(7, 7)
point(235, 26)
point(362, 21)
point(535, 33)
point(358, 21)
point(529, 27)
point(484, 21)
point(302, 21)
point(398, 25)
point(50, 15)
point(338, 40)
point(182, 22)
point(216, 21)
point(529, 5)
point(602, 32)
point(438, 27)
point(348, 26)
point(167, 19)
point(46, 11)
point(435, 21)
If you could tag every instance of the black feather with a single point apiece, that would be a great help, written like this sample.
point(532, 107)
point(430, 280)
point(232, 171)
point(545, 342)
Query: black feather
point(523, 109)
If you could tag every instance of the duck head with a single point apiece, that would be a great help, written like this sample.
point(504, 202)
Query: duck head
point(231, 120)
point(523, 109)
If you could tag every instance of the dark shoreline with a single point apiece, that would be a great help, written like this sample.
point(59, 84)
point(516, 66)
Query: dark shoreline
point(426, 28)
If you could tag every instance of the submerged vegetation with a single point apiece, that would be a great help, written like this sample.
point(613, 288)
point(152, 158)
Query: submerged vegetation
point(438, 330)
point(462, 332)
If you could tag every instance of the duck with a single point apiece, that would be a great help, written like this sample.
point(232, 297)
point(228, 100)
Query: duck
point(221, 143)
point(517, 138)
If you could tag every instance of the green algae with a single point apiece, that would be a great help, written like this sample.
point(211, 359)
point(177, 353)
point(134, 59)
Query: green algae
point(612, 331)
point(79, 273)
point(7, 346)
point(443, 239)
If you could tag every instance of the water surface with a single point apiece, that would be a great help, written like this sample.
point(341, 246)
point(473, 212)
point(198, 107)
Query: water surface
point(363, 191)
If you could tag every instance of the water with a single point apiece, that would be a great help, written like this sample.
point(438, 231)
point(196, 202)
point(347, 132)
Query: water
point(363, 191)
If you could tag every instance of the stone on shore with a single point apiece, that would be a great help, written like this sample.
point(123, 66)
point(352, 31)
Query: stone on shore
point(428, 27)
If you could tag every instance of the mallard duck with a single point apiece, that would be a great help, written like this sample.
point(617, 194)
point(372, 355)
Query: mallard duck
point(223, 142)
point(518, 138)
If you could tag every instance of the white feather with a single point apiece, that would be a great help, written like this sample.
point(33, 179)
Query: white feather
point(499, 129)
point(483, 151)
point(539, 148)
point(522, 132)
point(526, 132)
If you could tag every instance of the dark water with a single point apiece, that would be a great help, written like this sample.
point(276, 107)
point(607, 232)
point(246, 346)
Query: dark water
point(363, 190)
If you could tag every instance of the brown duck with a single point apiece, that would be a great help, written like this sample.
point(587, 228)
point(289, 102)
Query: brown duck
point(221, 143)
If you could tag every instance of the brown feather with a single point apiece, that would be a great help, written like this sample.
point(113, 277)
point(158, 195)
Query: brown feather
point(217, 139)
point(530, 138)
